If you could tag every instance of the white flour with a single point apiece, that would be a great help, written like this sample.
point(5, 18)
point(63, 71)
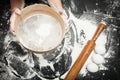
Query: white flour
point(40, 32)
point(89, 27)
point(82, 24)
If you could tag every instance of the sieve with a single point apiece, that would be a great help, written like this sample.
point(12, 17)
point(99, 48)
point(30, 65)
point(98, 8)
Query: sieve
point(39, 28)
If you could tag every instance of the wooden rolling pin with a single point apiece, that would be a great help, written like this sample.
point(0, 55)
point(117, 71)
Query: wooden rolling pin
point(72, 74)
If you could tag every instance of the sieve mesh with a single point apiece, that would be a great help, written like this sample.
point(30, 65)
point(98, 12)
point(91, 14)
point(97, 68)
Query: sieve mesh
point(40, 32)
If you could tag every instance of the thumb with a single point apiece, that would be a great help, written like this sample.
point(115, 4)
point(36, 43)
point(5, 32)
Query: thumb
point(56, 5)
point(17, 11)
point(64, 17)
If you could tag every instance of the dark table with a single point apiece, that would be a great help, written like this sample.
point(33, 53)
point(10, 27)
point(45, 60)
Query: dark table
point(17, 63)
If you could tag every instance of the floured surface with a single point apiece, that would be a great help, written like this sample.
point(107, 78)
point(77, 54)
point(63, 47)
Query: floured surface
point(17, 63)
point(86, 27)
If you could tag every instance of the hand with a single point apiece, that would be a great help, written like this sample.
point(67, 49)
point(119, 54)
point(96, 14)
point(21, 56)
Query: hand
point(12, 20)
point(64, 17)
point(57, 6)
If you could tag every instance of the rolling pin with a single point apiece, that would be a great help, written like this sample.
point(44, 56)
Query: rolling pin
point(72, 74)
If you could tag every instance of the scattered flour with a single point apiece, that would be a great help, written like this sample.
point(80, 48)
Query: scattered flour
point(95, 61)
point(92, 64)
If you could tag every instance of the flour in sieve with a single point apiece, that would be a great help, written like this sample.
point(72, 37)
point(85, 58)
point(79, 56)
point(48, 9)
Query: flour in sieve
point(40, 32)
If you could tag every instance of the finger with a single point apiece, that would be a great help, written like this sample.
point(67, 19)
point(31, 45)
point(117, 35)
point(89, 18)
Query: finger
point(12, 31)
point(60, 11)
point(12, 20)
point(56, 5)
point(65, 22)
point(17, 11)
